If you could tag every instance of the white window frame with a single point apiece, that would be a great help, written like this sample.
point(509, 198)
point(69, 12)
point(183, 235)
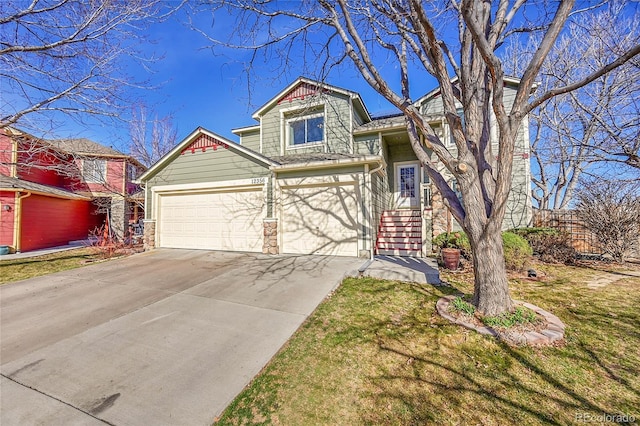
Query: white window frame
point(97, 174)
point(417, 184)
point(287, 129)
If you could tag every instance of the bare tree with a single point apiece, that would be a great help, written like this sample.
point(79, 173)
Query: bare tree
point(151, 139)
point(596, 128)
point(415, 38)
point(611, 210)
point(63, 56)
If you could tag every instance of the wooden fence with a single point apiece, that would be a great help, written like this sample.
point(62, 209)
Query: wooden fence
point(568, 220)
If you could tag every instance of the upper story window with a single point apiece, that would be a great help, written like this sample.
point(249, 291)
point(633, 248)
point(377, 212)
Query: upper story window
point(132, 172)
point(305, 130)
point(94, 170)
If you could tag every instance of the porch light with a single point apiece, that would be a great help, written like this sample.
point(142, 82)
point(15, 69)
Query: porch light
point(6, 208)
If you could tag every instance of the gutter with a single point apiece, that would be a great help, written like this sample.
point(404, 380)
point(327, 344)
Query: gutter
point(326, 164)
point(47, 194)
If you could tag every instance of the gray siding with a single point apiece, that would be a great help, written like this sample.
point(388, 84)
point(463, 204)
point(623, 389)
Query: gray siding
point(381, 200)
point(357, 118)
point(366, 144)
point(251, 140)
point(519, 203)
point(519, 208)
point(210, 166)
point(398, 154)
point(337, 128)
point(433, 106)
point(321, 172)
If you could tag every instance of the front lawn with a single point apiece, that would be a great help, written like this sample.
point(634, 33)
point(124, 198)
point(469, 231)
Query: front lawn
point(377, 353)
point(21, 269)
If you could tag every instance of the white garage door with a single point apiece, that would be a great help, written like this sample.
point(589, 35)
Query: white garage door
point(213, 220)
point(321, 220)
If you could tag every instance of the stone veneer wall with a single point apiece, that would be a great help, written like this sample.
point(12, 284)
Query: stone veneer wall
point(270, 244)
point(149, 236)
point(119, 216)
point(440, 212)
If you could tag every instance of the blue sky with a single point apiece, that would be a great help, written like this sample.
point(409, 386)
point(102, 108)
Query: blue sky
point(201, 86)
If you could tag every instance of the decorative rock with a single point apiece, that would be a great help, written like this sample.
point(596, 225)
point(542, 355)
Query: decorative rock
point(553, 332)
point(553, 336)
point(536, 339)
point(553, 327)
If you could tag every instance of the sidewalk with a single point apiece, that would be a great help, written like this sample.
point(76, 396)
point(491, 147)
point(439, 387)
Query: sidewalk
point(411, 269)
point(42, 252)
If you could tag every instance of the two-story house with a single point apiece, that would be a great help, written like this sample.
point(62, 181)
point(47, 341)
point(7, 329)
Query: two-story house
point(56, 191)
point(316, 174)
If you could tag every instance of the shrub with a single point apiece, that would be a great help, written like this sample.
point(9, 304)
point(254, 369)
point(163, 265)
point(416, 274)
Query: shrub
point(548, 244)
point(527, 233)
point(457, 240)
point(610, 209)
point(517, 251)
point(554, 248)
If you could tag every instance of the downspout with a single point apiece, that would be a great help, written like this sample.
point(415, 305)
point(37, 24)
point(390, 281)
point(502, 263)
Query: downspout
point(17, 221)
point(146, 197)
point(371, 225)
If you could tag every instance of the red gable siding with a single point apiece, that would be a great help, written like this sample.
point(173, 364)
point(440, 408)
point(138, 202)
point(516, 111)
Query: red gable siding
point(204, 142)
point(300, 92)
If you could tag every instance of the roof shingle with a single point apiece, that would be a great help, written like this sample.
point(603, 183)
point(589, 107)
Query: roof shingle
point(15, 184)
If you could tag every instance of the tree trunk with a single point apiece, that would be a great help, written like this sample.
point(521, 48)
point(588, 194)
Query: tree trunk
point(491, 289)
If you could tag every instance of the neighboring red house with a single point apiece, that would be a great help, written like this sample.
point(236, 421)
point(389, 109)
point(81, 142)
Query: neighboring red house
point(56, 191)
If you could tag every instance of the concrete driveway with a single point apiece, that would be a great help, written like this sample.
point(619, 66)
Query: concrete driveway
point(168, 337)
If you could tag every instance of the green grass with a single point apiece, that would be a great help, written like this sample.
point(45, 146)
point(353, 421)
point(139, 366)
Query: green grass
point(460, 305)
point(21, 269)
point(519, 316)
point(376, 352)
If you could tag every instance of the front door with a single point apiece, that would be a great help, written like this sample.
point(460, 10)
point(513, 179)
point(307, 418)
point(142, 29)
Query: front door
point(407, 185)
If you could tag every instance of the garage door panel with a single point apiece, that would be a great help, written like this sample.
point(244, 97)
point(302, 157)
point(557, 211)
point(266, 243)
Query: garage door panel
point(321, 220)
point(214, 221)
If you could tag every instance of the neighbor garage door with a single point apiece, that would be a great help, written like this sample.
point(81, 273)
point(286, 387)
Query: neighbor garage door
point(321, 219)
point(212, 220)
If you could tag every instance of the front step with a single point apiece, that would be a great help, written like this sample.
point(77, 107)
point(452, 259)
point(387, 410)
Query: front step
point(401, 213)
point(400, 233)
point(399, 246)
point(398, 252)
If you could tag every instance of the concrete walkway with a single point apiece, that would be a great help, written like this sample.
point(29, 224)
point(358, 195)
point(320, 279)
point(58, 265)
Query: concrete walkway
point(606, 278)
point(42, 252)
point(412, 269)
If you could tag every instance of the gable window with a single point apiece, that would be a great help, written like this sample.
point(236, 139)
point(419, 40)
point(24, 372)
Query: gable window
point(94, 171)
point(305, 130)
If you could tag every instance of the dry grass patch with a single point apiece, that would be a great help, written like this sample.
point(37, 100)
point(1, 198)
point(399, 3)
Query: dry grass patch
point(376, 352)
point(21, 269)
